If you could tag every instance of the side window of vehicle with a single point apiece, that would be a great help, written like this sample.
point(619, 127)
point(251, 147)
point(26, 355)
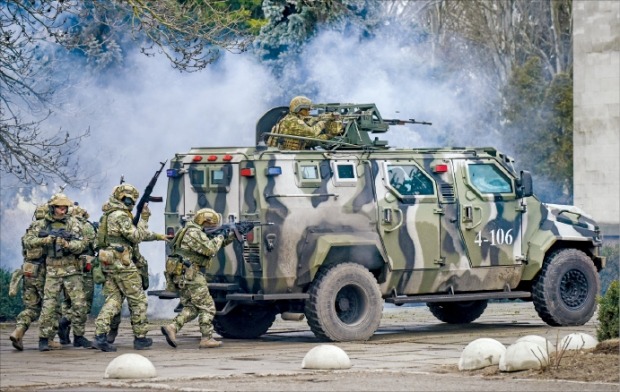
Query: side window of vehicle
point(308, 174)
point(409, 180)
point(488, 178)
point(345, 174)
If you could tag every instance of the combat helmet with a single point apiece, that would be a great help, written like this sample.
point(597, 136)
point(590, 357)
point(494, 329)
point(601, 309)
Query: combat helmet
point(80, 212)
point(208, 216)
point(60, 199)
point(298, 103)
point(124, 191)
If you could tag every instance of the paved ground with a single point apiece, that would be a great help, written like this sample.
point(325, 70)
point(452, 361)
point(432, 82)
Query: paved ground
point(410, 351)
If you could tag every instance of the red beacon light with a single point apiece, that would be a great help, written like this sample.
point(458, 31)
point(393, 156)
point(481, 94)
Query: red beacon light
point(212, 158)
point(441, 168)
point(247, 172)
point(197, 158)
point(227, 158)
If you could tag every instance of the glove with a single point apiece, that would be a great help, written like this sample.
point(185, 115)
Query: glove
point(161, 237)
point(62, 243)
point(46, 240)
point(146, 212)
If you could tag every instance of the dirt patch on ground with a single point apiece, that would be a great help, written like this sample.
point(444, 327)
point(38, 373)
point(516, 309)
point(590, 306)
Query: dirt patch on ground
point(599, 364)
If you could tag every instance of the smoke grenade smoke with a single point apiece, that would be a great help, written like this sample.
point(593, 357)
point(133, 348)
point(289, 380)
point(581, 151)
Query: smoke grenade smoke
point(145, 112)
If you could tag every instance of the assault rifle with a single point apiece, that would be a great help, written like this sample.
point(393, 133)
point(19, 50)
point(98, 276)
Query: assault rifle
point(58, 233)
point(146, 196)
point(239, 228)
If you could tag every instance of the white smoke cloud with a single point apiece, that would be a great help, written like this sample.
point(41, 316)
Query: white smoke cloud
point(146, 112)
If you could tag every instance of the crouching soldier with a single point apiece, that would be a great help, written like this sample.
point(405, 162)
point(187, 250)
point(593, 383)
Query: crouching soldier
point(192, 251)
point(60, 236)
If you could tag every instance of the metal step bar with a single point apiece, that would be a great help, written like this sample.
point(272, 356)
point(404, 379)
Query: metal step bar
point(457, 297)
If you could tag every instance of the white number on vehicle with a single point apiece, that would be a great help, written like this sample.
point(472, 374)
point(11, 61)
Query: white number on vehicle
point(496, 237)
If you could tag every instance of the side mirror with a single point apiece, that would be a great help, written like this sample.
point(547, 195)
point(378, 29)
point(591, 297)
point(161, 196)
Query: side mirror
point(525, 187)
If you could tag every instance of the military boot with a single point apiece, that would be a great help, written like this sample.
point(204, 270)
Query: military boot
point(54, 345)
point(44, 344)
point(16, 338)
point(142, 343)
point(101, 341)
point(207, 342)
point(170, 332)
point(63, 330)
point(112, 335)
point(81, 341)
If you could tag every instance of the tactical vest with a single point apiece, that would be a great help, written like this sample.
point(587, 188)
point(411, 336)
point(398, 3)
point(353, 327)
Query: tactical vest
point(186, 253)
point(102, 238)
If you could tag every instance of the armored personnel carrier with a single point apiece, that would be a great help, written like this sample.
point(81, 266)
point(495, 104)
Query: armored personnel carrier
point(350, 223)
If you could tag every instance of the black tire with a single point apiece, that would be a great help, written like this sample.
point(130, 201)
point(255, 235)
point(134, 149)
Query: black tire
point(244, 322)
point(564, 293)
point(345, 303)
point(458, 312)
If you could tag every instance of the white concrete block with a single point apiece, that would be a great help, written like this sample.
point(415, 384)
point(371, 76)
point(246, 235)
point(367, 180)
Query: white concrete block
point(541, 341)
point(326, 356)
point(578, 341)
point(481, 353)
point(130, 366)
point(523, 356)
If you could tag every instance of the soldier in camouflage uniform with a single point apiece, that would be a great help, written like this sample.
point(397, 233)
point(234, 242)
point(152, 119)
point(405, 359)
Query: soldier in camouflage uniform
point(63, 269)
point(299, 123)
point(142, 265)
point(33, 271)
point(86, 260)
point(192, 252)
point(116, 239)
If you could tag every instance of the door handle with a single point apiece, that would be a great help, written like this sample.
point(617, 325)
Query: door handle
point(469, 218)
point(399, 212)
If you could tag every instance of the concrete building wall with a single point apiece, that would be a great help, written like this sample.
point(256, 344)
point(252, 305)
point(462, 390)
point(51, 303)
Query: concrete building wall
point(596, 139)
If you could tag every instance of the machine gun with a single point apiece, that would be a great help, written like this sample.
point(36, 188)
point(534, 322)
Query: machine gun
point(403, 122)
point(239, 228)
point(58, 233)
point(146, 196)
point(354, 122)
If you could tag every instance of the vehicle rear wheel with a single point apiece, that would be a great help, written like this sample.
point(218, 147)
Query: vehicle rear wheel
point(458, 312)
point(345, 303)
point(564, 293)
point(244, 322)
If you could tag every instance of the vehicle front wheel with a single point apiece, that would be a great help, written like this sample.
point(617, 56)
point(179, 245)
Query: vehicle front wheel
point(564, 293)
point(345, 303)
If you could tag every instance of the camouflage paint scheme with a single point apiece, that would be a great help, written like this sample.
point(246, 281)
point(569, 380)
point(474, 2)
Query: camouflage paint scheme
point(455, 222)
point(327, 222)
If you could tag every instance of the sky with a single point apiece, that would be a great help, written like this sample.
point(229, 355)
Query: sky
point(145, 112)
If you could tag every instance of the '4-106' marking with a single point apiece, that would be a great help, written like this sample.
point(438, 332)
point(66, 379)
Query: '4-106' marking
point(498, 237)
